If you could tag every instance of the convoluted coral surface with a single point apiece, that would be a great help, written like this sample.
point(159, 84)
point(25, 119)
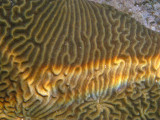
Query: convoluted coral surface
point(76, 60)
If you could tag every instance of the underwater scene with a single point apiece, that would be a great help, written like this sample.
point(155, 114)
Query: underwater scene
point(76, 60)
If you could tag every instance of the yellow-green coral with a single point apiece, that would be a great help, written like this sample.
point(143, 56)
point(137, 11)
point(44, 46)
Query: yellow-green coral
point(76, 60)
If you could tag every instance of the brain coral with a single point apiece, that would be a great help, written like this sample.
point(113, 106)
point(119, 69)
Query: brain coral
point(76, 60)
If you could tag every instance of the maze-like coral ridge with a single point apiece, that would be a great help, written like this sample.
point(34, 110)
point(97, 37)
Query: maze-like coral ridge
point(76, 60)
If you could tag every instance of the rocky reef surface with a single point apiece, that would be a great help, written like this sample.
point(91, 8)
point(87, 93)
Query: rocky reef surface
point(147, 12)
